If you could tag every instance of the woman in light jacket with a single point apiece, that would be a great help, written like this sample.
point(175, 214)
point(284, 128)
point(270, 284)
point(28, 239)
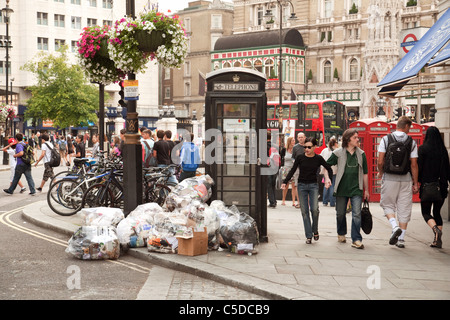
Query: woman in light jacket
point(352, 183)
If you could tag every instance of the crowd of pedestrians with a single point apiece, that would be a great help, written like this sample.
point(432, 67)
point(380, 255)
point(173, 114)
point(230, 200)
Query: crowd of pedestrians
point(404, 170)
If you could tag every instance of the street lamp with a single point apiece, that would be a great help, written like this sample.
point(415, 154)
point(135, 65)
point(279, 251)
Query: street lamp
point(6, 12)
point(270, 16)
point(380, 113)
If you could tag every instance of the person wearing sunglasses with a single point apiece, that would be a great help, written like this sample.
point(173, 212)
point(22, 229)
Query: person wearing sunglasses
point(352, 183)
point(308, 189)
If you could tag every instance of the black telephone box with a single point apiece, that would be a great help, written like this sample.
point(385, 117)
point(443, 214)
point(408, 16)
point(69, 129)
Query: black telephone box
point(235, 112)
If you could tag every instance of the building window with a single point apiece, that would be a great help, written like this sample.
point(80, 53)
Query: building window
point(3, 67)
point(59, 20)
point(292, 70)
point(76, 22)
point(187, 68)
point(75, 2)
point(269, 69)
point(248, 65)
point(354, 69)
point(327, 72)
point(62, 1)
point(42, 43)
point(226, 65)
point(93, 3)
point(299, 71)
point(259, 16)
point(187, 89)
point(237, 64)
point(91, 22)
point(166, 73)
point(59, 43)
point(107, 4)
point(258, 65)
point(166, 92)
point(107, 23)
point(73, 46)
point(216, 21)
point(42, 18)
point(327, 8)
point(187, 24)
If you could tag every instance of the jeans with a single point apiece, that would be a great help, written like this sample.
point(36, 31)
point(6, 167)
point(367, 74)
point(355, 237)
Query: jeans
point(186, 175)
point(308, 195)
point(328, 193)
point(341, 221)
point(25, 169)
point(172, 178)
point(271, 179)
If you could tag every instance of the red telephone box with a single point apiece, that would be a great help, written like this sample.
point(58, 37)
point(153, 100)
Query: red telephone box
point(370, 132)
point(425, 127)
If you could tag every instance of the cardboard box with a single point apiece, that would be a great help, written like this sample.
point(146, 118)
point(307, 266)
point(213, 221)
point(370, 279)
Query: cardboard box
point(194, 246)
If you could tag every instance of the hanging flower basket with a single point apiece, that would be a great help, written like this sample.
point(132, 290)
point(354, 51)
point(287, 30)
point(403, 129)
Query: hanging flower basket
point(6, 112)
point(149, 42)
point(153, 35)
point(94, 56)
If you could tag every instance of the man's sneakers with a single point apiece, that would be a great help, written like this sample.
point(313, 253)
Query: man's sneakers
point(7, 191)
point(400, 243)
point(358, 245)
point(23, 190)
point(394, 236)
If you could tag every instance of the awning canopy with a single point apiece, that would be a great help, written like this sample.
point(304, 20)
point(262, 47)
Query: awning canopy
point(422, 54)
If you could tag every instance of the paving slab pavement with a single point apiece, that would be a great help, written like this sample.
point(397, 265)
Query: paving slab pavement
point(287, 268)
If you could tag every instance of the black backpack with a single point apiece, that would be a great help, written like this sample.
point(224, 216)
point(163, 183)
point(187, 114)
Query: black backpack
point(55, 158)
point(397, 155)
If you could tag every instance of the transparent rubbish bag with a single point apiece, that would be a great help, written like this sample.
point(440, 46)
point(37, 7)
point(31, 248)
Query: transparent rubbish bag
point(94, 243)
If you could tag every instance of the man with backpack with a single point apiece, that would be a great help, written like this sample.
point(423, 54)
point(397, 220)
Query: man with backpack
point(46, 154)
point(190, 159)
point(147, 148)
point(397, 166)
point(23, 165)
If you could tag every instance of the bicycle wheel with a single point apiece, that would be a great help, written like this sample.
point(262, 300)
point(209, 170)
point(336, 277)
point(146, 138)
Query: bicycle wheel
point(64, 197)
point(98, 195)
point(64, 174)
point(157, 194)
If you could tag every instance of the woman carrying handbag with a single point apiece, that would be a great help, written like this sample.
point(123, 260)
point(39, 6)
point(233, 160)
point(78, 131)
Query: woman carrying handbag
point(434, 175)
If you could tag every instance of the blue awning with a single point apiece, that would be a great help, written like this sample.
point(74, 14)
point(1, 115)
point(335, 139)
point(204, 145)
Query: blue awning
point(418, 57)
point(441, 57)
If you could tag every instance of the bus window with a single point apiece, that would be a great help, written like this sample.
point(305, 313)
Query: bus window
point(294, 112)
point(270, 113)
point(285, 111)
point(318, 135)
point(312, 111)
point(329, 110)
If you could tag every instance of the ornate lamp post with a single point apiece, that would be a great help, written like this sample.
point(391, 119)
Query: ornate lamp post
point(380, 113)
point(6, 12)
point(270, 17)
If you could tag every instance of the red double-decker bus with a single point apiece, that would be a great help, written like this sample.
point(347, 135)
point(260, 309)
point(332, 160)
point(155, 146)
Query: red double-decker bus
point(320, 119)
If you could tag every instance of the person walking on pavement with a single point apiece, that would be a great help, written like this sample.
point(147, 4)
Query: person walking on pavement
point(397, 167)
point(308, 188)
point(433, 163)
point(11, 150)
point(80, 150)
point(190, 159)
point(286, 154)
point(274, 160)
point(46, 155)
point(328, 194)
point(161, 151)
point(21, 168)
point(351, 184)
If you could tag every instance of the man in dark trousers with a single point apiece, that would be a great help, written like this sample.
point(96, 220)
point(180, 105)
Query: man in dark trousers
point(161, 151)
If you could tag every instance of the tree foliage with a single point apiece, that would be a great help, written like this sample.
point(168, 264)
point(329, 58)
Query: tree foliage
point(61, 93)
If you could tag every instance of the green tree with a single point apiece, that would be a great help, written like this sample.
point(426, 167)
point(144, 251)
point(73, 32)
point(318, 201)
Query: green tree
point(61, 93)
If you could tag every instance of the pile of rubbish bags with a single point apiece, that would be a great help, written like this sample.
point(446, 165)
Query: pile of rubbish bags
point(106, 230)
